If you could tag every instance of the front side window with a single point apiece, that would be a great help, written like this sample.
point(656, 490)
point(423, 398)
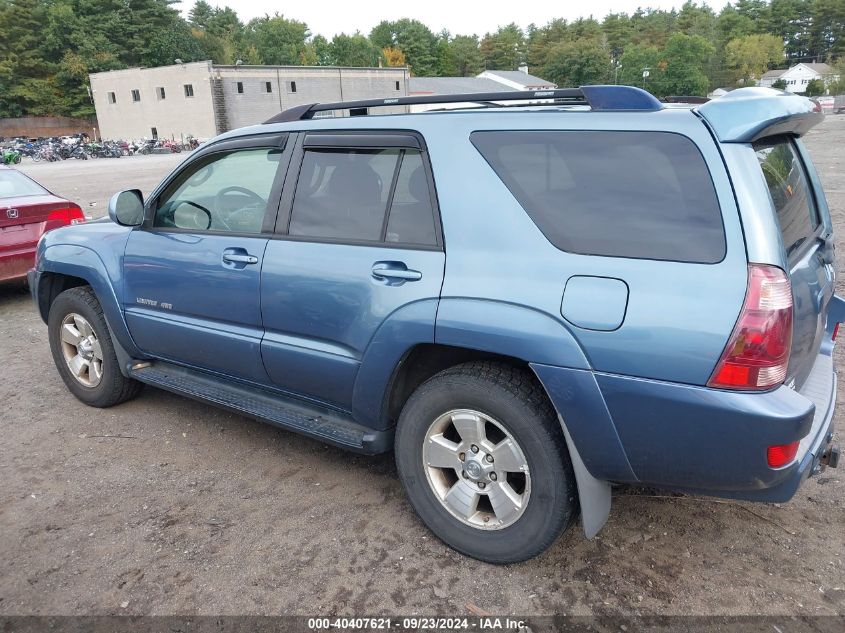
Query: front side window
point(787, 182)
point(226, 192)
point(644, 195)
point(369, 195)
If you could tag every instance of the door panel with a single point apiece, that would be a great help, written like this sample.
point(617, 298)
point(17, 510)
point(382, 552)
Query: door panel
point(322, 304)
point(185, 303)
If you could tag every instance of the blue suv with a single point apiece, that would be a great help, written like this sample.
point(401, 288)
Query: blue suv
point(528, 298)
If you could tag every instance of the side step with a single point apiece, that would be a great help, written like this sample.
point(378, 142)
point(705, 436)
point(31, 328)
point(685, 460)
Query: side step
point(321, 423)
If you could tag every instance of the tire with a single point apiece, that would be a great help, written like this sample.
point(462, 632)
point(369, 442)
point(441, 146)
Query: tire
point(103, 388)
point(512, 405)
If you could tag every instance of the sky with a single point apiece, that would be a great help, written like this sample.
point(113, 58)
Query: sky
point(459, 17)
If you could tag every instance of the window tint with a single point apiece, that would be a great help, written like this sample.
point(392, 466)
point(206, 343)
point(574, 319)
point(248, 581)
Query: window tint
point(343, 194)
point(787, 182)
point(621, 194)
point(227, 192)
point(411, 218)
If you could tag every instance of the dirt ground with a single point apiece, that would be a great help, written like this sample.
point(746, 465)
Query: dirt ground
point(166, 506)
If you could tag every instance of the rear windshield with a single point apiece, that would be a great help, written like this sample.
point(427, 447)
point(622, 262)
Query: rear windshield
point(13, 184)
point(791, 197)
point(645, 195)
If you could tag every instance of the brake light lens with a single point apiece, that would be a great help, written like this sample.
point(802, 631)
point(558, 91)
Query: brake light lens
point(835, 331)
point(782, 454)
point(64, 217)
point(757, 354)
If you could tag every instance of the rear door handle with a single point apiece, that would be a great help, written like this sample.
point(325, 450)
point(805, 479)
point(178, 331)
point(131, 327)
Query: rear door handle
point(382, 270)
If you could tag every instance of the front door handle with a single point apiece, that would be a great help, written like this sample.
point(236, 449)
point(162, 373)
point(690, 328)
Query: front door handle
point(395, 270)
point(239, 258)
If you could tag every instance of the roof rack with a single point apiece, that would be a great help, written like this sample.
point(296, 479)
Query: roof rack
point(691, 99)
point(599, 98)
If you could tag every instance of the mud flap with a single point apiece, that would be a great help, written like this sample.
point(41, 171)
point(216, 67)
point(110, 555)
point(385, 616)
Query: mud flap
point(593, 494)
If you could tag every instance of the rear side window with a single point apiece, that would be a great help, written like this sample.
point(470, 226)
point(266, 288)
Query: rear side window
point(363, 195)
point(14, 184)
point(796, 210)
point(644, 195)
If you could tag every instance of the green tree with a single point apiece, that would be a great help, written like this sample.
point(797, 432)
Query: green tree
point(463, 58)
point(276, 39)
point(779, 84)
point(504, 49)
point(200, 14)
point(750, 56)
point(172, 43)
point(827, 35)
point(815, 88)
point(416, 41)
point(577, 63)
point(352, 50)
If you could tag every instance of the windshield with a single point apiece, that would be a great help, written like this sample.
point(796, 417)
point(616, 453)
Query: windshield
point(13, 184)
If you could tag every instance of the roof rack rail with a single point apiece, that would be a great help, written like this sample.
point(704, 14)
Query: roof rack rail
point(692, 99)
point(599, 98)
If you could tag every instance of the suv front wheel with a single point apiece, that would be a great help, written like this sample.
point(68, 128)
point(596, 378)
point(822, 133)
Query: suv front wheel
point(483, 461)
point(83, 351)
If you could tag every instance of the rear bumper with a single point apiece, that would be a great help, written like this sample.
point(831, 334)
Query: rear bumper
point(15, 264)
point(696, 439)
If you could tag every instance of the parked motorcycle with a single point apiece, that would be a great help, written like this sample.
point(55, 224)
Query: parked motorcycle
point(11, 157)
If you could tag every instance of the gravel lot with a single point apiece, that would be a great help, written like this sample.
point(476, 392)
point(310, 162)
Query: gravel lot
point(167, 506)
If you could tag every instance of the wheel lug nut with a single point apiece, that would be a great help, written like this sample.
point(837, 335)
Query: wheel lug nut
point(481, 484)
point(473, 448)
point(493, 477)
point(464, 474)
point(462, 456)
point(489, 459)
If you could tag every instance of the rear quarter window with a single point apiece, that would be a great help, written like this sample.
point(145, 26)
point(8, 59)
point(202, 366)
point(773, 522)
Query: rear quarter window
point(793, 202)
point(644, 195)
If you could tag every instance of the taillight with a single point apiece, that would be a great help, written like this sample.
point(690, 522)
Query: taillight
point(757, 353)
point(782, 454)
point(835, 332)
point(63, 217)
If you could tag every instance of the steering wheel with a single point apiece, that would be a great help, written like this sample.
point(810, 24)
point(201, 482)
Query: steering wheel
point(237, 216)
point(168, 217)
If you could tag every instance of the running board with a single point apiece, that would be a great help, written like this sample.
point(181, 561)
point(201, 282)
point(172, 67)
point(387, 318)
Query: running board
point(326, 425)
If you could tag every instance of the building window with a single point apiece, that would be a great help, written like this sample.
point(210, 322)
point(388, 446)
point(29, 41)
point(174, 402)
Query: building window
point(291, 86)
point(112, 98)
point(189, 90)
point(240, 87)
point(397, 85)
point(268, 86)
point(136, 95)
point(160, 93)
point(154, 132)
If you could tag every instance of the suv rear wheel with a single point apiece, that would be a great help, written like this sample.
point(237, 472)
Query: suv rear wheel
point(483, 461)
point(83, 351)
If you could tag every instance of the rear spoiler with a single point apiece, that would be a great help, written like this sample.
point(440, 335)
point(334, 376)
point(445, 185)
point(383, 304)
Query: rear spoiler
point(748, 114)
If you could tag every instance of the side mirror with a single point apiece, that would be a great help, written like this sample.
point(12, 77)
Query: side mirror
point(127, 208)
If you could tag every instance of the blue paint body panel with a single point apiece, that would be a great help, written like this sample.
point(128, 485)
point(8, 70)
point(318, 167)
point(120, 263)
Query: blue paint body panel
point(623, 347)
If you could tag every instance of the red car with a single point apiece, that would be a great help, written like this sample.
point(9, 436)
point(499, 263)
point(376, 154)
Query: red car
point(27, 211)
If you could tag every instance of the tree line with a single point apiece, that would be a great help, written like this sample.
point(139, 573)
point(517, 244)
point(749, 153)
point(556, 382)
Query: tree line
point(50, 46)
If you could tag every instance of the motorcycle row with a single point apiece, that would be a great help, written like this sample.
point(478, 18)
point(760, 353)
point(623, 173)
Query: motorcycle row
point(82, 148)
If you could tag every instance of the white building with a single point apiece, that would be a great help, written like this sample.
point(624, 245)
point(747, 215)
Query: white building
point(204, 99)
point(488, 81)
point(797, 77)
